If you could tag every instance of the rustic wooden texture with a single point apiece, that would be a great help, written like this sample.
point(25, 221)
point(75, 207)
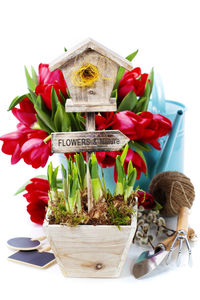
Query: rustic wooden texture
point(90, 251)
point(93, 141)
point(90, 127)
point(100, 91)
point(183, 219)
point(90, 121)
point(82, 47)
point(91, 107)
point(45, 249)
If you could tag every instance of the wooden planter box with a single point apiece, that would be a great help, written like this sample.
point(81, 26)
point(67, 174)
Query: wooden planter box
point(90, 251)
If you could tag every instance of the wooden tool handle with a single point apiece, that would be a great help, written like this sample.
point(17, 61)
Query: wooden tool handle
point(183, 219)
point(168, 242)
point(45, 249)
point(40, 238)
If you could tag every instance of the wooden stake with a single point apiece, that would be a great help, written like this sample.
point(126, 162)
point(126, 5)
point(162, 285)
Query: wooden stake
point(90, 126)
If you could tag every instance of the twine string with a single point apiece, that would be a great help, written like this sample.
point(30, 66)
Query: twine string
point(86, 75)
point(170, 197)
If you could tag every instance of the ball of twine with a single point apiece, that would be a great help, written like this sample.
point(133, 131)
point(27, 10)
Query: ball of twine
point(172, 190)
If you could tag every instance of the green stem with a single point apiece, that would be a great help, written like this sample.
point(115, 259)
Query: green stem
point(47, 138)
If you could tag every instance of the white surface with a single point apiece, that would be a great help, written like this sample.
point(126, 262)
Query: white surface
point(167, 34)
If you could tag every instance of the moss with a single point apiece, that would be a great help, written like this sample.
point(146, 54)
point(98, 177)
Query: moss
point(111, 211)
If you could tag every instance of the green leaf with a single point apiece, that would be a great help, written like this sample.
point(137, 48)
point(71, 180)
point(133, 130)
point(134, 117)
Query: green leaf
point(54, 178)
point(131, 56)
point(59, 184)
point(130, 168)
point(54, 102)
point(65, 49)
point(141, 105)
point(120, 170)
point(144, 159)
point(114, 94)
point(16, 101)
point(30, 82)
point(151, 78)
point(42, 125)
point(104, 183)
point(64, 172)
point(22, 188)
point(129, 102)
point(50, 173)
point(58, 119)
point(75, 121)
point(32, 97)
point(62, 98)
point(123, 155)
point(34, 75)
point(132, 178)
point(66, 124)
point(121, 70)
point(94, 171)
point(81, 167)
point(62, 119)
point(68, 94)
point(140, 146)
point(81, 122)
point(43, 114)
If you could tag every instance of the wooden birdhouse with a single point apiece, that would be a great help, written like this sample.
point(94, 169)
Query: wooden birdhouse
point(90, 71)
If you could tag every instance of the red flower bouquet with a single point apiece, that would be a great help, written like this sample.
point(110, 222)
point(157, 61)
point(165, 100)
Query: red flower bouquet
point(41, 111)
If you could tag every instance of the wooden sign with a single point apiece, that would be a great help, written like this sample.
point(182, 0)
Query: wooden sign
point(89, 141)
point(90, 71)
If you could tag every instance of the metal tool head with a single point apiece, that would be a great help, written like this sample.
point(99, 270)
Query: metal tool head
point(147, 262)
point(181, 236)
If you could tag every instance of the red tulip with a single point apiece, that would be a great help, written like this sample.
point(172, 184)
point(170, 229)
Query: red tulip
point(28, 144)
point(145, 199)
point(36, 152)
point(12, 143)
point(26, 113)
point(137, 161)
point(37, 211)
point(107, 159)
point(37, 196)
point(145, 127)
point(48, 80)
point(129, 123)
point(158, 126)
point(103, 120)
point(132, 81)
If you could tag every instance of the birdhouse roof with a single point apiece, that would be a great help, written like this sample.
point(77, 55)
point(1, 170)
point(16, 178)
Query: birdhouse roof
point(93, 45)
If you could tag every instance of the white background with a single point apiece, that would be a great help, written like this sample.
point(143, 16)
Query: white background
point(167, 36)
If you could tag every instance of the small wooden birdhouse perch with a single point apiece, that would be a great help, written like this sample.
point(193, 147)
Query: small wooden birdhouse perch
point(90, 71)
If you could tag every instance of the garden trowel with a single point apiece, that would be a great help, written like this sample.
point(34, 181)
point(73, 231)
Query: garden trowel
point(147, 262)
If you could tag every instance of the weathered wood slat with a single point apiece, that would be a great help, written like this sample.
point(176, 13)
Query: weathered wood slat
point(90, 251)
point(91, 141)
point(90, 107)
point(82, 47)
point(90, 127)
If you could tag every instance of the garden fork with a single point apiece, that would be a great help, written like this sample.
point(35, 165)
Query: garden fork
point(181, 236)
